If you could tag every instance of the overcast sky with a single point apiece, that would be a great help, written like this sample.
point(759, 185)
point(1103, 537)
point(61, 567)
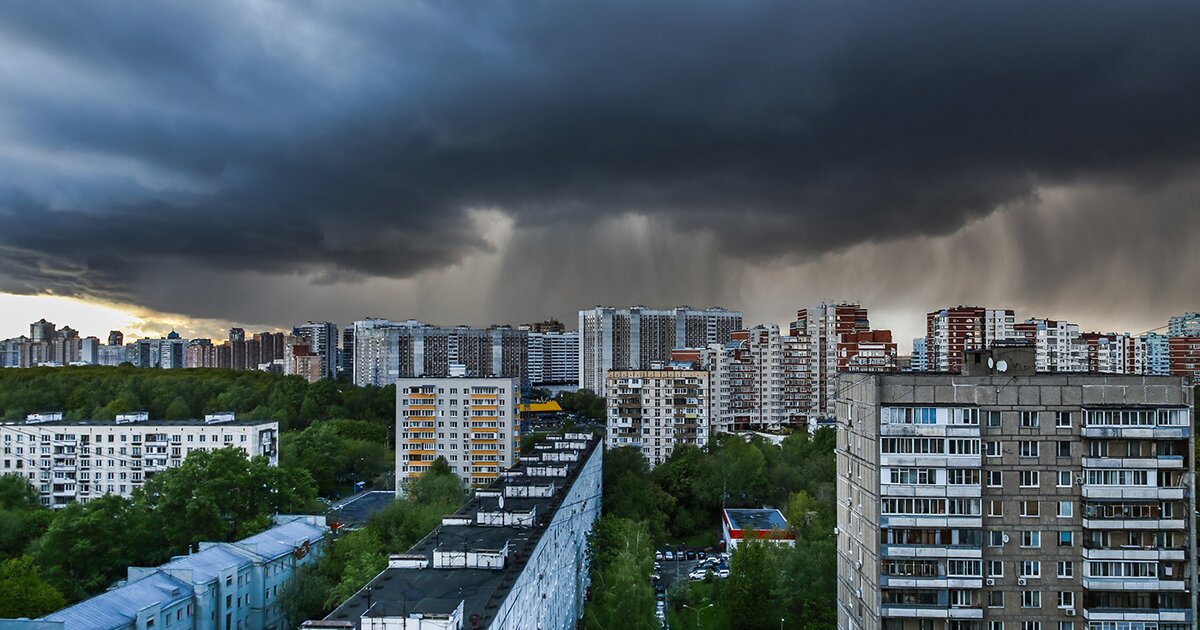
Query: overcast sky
point(196, 164)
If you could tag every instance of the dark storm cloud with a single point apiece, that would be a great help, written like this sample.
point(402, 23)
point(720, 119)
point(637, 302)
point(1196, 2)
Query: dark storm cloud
point(343, 140)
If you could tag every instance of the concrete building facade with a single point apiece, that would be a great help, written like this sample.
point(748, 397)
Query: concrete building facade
point(657, 410)
point(472, 422)
point(75, 461)
point(385, 351)
point(513, 557)
point(223, 585)
point(1004, 499)
point(638, 337)
point(950, 332)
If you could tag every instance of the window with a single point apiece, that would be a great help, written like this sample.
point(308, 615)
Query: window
point(1066, 625)
point(1031, 569)
point(1065, 539)
point(1030, 599)
point(1028, 448)
point(993, 449)
point(1066, 569)
point(995, 539)
point(1062, 419)
point(995, 507)
point(1064, 479)
point(995, 479)
point(995, 625)
point(995, 568)
point(1030, 479)
point(1066, 599)
point(963, 476)
point(1030, 508)
point(995, 599)
point(993, 418)
point(1031, 539)
point(1029, 419)
point(1064, 448)
point(1033, 625)
point(963, 446)
point(1066, 509)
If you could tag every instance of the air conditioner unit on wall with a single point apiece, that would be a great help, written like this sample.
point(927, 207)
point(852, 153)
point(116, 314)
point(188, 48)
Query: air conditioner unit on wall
point(1021, 582)
point(1070, 612)
point(990, 582)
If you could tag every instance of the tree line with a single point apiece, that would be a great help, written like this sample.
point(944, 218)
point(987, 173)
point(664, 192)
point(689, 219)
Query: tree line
point(100, 393)
point(680, 502)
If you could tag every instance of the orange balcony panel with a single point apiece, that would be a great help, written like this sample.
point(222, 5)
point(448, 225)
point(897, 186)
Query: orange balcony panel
point(491, 396)
point(485, 429)
point(429, 395)
point(422, 407)
point(485, 474)
point(422, 440)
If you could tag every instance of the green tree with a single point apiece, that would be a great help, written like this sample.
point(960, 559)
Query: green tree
point(178, 410)
point(23, 592)
point(304, 596)
point(754, 571)
point(620, 595)
point(17, 494)
point(221, 495)
point(437, 486)
point(630, 492)
point(88, 546)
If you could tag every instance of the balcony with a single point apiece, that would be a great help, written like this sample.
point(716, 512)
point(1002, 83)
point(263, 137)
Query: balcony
point(930, 581)
point(931, 551)
point(1162, 461)
point(1136, 493)
point(1133, 584)
point(1140, 523)
point(1138, 614)
point(1166, 432)
point(1130, 552)
point(915, 611)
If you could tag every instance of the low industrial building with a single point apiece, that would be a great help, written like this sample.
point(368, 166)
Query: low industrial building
point(224, 586)
point(741, 525)
point(515, 556)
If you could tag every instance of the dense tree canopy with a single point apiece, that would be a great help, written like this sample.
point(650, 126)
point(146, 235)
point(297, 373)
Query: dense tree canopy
point(338, 453)
point(23, 592)
point(93, 392)
point(620, 595)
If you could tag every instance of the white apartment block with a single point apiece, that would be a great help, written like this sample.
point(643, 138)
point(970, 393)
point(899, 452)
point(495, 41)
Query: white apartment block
point(655, 410)
point(759, 380)
point(1004, 499)
point(471, 422)
point(1060, 348)
point(636, 338)
point(79, 460)
point(553, 357)
point(385, 351)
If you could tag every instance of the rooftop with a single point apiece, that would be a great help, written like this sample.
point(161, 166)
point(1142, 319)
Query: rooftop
point(119, 607)
point(199, 422)
point(432, 590)
point(761, 520)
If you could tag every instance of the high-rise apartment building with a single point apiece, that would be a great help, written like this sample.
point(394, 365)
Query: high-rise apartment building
point(1108, 353)
point(1184, 354)
point(919, 359)
point(346, 367)
point(1059, 345)
point(79, 460)
point(472, 422)
point(638, 337)
point(553, 357)
point(1151, 355)
point(386, 350)
point(835, 333)
point(1186, 325)
point(116, 338)
point(657, 409)
point(1004, 499)
point(950, 332)
point(323, 341)
point(759, 379)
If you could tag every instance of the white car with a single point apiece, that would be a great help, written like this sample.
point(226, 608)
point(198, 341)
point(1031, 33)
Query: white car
point(698, 574)
point(658, 555)
point(722, 573)
point(670, 555)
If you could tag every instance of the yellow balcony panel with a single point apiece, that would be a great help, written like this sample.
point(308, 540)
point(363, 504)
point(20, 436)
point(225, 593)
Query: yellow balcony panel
point(411, 429)
point(422, 440)
point(429, 395)
point(488, 418)
point(422, 407)
point(413, 452)
point(485, 474)
point(485, 429)
point(491, 396)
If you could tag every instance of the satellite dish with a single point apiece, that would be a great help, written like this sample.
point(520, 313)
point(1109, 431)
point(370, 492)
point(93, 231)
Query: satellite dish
point(502, 502)
point(991, 363)
point(1002, 366)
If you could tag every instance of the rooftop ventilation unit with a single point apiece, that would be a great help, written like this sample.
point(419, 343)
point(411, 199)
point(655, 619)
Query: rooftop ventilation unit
point(45, 416)
point(219, 417)
point(130, 418)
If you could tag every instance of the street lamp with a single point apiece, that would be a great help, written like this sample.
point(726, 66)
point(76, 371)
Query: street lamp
point(781, 623)
point(698, 613)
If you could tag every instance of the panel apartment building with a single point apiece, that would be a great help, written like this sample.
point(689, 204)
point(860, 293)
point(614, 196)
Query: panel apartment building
point(513, 557)
point(759, 379)
point(840, 338)
point(471, 422)
point(79, 460)
point(656, 410)
point(223, 585)
point(385, 351)
point(1003, 499)
point(637, 338)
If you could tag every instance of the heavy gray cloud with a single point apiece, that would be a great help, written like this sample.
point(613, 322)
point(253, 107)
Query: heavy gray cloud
point(164, 155)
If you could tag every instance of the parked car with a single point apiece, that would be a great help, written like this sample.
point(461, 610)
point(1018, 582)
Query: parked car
point(691, 555)
point(702, 555)
point(658, 555)
point(698, 574)
point(654, 577)
point(669, 555)
point(722, 573)
point(657, 566)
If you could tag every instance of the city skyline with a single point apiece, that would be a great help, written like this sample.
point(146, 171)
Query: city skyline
point(465, 164)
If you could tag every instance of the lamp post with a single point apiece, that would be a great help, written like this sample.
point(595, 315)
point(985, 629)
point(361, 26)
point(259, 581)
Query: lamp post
point(698, 613)
point(781, 623)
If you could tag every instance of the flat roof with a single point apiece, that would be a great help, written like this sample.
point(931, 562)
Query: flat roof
point(761, 520)
point(400, 592)
point(356, 511)
point(138, 423)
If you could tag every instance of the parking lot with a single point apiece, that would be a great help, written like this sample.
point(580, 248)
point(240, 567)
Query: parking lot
point(674, 571)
